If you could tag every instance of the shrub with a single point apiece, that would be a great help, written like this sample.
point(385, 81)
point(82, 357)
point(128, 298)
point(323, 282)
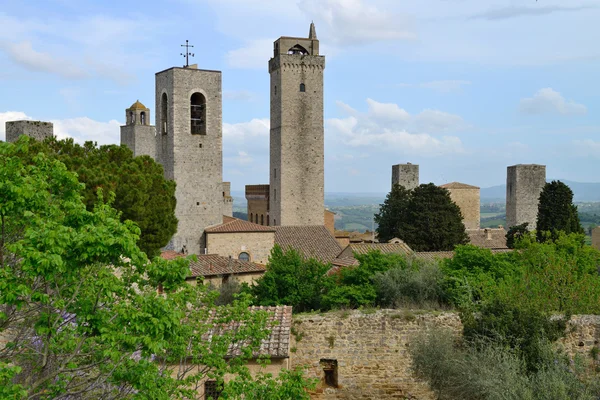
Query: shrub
point(417, 286)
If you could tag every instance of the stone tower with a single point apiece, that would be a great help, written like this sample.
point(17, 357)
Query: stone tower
point(38, 130)
point(297, 136)
point(524, 183)
point(137, 133)
point(189, 147)
point(467, 198)
point(406, 175)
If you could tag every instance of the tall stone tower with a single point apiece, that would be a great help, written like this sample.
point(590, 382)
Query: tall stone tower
point(524, 183)
point(406, 175)
point(137, 133)
point(189, 147)
point(467, 198)
point(297, 135)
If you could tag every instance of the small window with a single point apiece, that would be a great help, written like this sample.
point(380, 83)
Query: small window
point(212, 390)
point(275, 173)
point(302, 87)
point(262, 219)
point(143, 118)
point(251, 217)
point(274, 194)
point(164, 118)
point(256, 219)
point(244, 256)
point(330, 372)
point(267, 220)
point(274, 222)
point(275, 90)
point(131, 117)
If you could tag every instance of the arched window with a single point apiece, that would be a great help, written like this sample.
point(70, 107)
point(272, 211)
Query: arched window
point(262, 219)
point(244, 256)
point(143, 118)
point(267, 220)
point(198, 114)
point(256, 219)
point(299, 50)
point(164, 109)
point(302, 87)
point(251, 217)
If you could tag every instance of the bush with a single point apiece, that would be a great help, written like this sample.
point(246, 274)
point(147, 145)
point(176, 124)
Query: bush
point(227, 292)
point(487, 370)
point(419, 285)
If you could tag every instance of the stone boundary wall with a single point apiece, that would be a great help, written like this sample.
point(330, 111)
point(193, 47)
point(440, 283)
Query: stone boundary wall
point(371, 349)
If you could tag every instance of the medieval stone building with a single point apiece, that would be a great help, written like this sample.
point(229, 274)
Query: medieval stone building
point(524, 183)
point(137, 133)
point(467, 198)
point(406, 175)
point(38, 130)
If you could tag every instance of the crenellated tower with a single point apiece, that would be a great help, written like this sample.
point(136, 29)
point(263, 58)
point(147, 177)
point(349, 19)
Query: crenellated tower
point(297, 135)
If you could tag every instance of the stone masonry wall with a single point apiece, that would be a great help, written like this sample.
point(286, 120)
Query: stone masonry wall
point(257, 244)
point(468, 201)
point(406, 175)
point(38, 130)
point(140, 139)
point(372, 355)
point(524, 182)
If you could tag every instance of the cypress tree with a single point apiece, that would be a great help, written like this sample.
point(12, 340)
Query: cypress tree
point(556, 212)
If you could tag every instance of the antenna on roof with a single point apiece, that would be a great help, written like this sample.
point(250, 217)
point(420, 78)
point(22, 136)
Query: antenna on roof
point(187, 53)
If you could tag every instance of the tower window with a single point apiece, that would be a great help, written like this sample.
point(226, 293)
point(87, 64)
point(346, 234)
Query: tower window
point(275, 90)
point(251, 217)
point(274, 194)
point(131, 117)
point(256, 219)
point(198, 114)
point(267, 219)
point(143, 118)
point(164, 109)
point(262, 219)
point(302, 87)
point(274, 173)
point(244, 256)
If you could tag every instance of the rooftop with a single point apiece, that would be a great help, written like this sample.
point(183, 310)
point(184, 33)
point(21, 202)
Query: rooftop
point(313, 241)
point(231, 225)
point(488, 238)
point(137, 106)
point(458, 185)
point(213, 264)
point(385, 248)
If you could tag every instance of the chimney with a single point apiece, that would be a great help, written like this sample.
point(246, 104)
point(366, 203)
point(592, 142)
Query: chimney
point(488, 234)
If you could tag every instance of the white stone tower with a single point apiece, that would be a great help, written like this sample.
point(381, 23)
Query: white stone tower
point(189, 147)
point(297, 135)
point(137, 133)
point(524, 183)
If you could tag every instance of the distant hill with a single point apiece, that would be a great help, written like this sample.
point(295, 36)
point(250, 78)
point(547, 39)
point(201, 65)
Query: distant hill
point(582, 192)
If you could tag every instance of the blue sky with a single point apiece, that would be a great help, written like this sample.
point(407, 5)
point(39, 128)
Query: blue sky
point(462, 87)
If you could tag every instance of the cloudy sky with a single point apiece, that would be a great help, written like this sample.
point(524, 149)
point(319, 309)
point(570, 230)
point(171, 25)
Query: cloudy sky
point(462, 87)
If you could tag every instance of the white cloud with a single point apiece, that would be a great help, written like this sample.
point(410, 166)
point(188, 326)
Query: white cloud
point(549, 101)
point(23, 54)
point(254, 55)
point(442, 86)
point(83, 129)
point(520, 11)
point(388, 128)
point(239, 95)
point(352, 22)
point(242, 131)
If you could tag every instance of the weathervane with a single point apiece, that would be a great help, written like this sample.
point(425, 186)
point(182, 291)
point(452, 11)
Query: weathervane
point(187, 53)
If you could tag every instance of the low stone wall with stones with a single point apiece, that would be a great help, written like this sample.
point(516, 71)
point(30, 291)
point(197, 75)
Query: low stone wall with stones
point(367, 352)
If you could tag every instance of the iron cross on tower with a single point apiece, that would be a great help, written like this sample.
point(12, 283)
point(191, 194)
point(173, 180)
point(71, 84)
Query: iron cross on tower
point(187, 53)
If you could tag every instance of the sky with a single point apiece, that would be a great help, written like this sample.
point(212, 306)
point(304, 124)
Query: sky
point(464, 88)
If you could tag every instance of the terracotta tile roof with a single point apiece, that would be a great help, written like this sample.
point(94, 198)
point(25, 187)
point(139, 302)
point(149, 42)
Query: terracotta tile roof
point(231, 225)
point(488, 238)
point(458, 185)
point(171, 254)
point(313, 241)
point(277, 345)
point(344, 262)
point(385, 248)
point(213, 264)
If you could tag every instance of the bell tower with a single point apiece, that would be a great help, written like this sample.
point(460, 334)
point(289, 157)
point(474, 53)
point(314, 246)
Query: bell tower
point(137, 133)
point(297, 136)
point(189, 147)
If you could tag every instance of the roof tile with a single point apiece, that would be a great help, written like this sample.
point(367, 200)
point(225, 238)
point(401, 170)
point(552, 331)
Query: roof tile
point(213, 264)
point(231, 225)
point(312, 241)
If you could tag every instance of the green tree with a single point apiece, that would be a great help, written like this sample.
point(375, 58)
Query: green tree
point(142, 194)
point(556, 212)
point(291, 280)
point(516, 233)
point(433, 222)
point(80, 309)
point(391, 217)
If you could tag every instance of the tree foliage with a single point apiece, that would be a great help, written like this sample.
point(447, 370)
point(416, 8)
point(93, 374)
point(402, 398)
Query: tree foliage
point(516, 233)
point(291, 280)
point(426, 218)
point(80, 309)
point(142, 194)
point(556, 212)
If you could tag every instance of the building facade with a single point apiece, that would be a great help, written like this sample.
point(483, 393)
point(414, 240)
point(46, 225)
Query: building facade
point(38, 130)
point(297, 134)
point(189, 147)
point(467, 198)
